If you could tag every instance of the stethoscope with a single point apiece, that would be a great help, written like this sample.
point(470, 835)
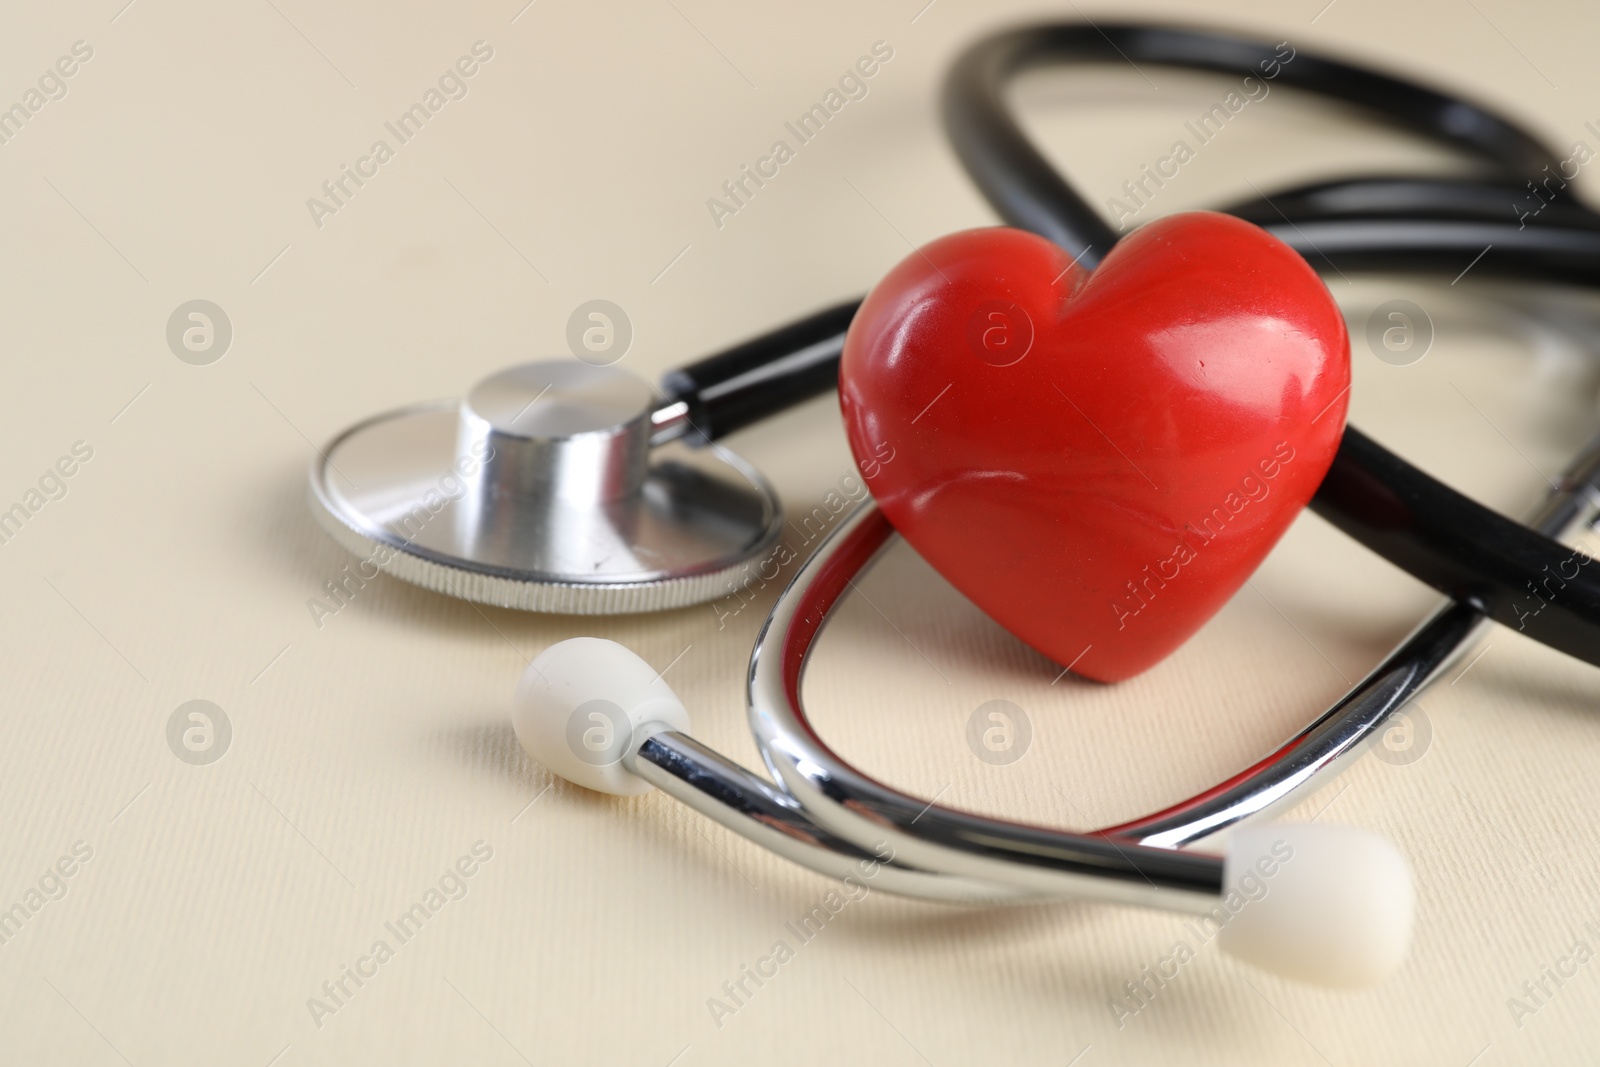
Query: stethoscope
point(574, 487)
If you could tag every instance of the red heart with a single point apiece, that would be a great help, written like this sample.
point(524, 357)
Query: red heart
point(1097, 459)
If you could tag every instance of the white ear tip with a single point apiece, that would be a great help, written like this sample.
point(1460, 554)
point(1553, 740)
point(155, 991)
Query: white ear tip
point(579, 708)
point(1330, 905)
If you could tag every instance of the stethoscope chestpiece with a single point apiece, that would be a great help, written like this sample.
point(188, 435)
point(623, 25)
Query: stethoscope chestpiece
point(553, 487)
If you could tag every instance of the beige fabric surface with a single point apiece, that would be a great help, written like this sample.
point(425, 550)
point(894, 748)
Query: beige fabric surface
point(207, 904)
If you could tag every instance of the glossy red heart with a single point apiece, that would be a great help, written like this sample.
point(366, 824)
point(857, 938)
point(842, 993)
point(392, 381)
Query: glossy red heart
point(1097, 459)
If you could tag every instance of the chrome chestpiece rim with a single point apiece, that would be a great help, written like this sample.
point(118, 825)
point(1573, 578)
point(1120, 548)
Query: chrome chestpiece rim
point(552, 487)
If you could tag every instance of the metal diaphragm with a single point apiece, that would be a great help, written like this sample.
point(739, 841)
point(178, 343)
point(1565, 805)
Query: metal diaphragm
point(542, 491)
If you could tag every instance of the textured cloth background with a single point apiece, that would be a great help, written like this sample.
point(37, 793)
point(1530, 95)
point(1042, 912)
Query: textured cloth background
point(207, 904)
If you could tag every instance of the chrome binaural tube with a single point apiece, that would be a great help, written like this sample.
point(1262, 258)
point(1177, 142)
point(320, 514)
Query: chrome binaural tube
point(825, 814)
